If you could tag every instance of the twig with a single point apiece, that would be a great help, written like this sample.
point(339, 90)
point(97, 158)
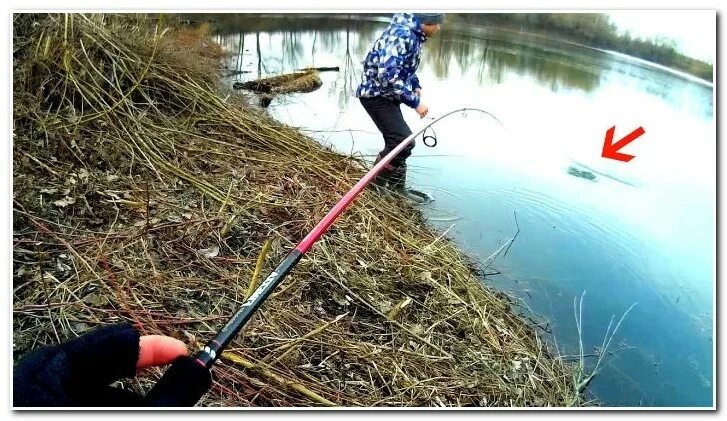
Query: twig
point(258, 268)
point(515, 236)
point(582, 380)
point(262, 369)
point(290, 345)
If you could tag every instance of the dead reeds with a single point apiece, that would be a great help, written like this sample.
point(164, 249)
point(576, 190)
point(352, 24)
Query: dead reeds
point(141, 196)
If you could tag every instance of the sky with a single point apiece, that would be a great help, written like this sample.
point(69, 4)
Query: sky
point(694, 31)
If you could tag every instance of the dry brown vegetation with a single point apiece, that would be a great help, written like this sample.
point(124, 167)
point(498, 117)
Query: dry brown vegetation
point(141, 196)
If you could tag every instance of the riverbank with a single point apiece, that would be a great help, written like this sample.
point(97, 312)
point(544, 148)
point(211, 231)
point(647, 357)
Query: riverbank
point(143, 195)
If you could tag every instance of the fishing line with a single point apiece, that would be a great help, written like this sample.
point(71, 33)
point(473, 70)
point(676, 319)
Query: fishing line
point(430, 139)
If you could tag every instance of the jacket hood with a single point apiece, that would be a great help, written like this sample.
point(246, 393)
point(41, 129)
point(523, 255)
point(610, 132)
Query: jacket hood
point(408, 20)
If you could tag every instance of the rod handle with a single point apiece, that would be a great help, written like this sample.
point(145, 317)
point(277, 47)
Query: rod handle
point(182, 385)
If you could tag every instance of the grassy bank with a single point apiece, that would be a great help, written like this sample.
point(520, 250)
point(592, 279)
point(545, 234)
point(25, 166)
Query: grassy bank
point(142, 195)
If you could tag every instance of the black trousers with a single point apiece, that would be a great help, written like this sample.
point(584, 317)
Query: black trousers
point(387, 116)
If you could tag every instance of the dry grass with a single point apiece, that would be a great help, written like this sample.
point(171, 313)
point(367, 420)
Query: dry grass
point(141, 196)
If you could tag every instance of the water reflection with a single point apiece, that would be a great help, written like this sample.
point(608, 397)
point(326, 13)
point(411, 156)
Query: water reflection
point(484, 57)
point(349, 75)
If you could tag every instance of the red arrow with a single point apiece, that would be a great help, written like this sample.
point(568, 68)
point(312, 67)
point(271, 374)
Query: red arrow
point(611, 150)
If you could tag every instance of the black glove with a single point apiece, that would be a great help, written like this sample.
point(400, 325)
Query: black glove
point(78, 372)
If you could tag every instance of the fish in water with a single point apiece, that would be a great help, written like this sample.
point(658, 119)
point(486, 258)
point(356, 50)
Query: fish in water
point(581, 173)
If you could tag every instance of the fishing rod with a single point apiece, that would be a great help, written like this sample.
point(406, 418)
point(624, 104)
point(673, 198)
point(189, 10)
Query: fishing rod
point(188, 378)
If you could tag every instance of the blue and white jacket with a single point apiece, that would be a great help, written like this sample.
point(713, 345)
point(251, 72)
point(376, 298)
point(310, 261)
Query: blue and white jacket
point(390, 66)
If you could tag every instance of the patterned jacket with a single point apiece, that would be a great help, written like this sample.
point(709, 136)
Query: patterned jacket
point(390, 65)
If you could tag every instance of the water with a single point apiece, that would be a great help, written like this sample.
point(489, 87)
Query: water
point(640, 232)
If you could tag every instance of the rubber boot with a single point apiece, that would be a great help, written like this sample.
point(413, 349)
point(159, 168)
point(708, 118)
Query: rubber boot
point(397, 184)
point(382, 180)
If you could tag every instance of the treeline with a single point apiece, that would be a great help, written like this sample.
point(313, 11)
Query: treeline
point(596, 30)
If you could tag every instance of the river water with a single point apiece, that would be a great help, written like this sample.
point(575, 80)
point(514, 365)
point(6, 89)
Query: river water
point(638, 232)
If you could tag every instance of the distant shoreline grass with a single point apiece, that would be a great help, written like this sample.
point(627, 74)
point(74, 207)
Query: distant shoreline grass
point(593, 30)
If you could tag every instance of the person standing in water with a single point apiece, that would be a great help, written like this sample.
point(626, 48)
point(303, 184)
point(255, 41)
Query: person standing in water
point(389, 80)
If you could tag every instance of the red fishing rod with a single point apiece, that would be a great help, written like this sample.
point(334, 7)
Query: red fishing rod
point(188, 378)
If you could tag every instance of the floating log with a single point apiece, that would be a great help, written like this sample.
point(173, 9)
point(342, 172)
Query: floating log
point(306, 81)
